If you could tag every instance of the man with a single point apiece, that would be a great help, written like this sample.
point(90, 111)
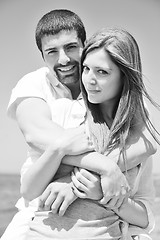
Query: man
point(60, 36)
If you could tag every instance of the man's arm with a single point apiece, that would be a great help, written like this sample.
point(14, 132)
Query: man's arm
point(34, 119)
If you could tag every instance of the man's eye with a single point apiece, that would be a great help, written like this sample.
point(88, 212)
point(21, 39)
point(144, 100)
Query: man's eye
point(52, 52)
point(71, 47)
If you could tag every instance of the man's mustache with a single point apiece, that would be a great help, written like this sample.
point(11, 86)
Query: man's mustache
point(76, 63)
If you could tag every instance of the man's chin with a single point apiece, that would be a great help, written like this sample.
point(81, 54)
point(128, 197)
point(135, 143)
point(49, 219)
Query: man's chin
point(69, 80)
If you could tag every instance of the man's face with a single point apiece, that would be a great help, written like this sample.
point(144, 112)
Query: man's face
point(62, 53)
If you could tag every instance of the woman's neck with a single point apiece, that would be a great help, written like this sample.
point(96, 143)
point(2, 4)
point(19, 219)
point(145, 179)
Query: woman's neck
point(108, 111)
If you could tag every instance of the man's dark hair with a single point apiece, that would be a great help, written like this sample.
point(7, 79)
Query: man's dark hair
point(55, 21)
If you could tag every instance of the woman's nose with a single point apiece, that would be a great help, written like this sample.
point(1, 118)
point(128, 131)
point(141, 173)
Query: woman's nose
point(91, 78)
point(92, 81)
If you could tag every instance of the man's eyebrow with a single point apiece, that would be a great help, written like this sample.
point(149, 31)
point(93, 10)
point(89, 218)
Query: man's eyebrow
point(70, 43)
point(50, 49)
point(65, 45)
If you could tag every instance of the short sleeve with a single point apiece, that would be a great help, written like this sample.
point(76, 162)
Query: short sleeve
point(31, 85)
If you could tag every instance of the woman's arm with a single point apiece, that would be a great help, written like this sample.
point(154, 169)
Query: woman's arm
point(138, 209)
point(140, 146)
point(133, 212)
point(112, 179)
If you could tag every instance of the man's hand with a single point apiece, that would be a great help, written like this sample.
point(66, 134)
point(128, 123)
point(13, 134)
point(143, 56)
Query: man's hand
point(117, 201)
point(57, 196)
point(75, 141)
point(115, 188)
point(86, 184)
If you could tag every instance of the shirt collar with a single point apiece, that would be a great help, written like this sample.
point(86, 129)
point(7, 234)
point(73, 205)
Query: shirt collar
point(56, 83)
point(53, 79)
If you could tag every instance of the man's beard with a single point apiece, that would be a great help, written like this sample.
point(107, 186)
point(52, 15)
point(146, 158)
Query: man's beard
point(68, 77)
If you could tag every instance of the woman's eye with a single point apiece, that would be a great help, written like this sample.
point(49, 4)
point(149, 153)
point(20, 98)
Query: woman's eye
point(103, 72)
point(85, 68)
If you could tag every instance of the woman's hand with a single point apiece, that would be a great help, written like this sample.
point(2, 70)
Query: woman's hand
point(86, 184)
point(113, 181)
point(57, 196)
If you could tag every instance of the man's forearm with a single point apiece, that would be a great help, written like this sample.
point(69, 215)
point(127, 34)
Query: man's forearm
point(136, 153)
point(40, 173)
point(40, 131)
point(92, 161)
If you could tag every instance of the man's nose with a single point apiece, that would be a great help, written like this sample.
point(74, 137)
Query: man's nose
point(63, 58)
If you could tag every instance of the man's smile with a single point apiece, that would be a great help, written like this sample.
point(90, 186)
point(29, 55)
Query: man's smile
point(66, 69)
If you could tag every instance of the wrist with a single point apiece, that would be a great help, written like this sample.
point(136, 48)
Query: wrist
point(109, 167)
point(123, 206)
point(56, 150)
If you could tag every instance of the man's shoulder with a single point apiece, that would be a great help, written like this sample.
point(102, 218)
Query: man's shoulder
point(37, 78)
point(36, 74)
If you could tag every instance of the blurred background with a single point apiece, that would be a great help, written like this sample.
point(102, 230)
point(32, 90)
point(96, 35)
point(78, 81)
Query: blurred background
point(19, 55)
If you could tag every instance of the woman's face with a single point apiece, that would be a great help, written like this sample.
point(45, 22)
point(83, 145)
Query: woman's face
point(101, 78)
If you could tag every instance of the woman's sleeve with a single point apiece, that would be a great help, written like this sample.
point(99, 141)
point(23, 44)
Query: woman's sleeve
point(145, 192)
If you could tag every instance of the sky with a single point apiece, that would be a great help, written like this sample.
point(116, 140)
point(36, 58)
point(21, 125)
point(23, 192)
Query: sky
point(19, 54)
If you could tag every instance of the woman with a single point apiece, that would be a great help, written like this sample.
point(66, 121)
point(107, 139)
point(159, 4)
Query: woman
point(113, 90)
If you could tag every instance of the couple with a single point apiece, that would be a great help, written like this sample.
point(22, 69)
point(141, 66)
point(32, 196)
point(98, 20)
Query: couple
point(83, 194)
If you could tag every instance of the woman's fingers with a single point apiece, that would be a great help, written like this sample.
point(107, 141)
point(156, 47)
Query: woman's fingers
point(92, 177)
point(78, 182)
point(79, 193)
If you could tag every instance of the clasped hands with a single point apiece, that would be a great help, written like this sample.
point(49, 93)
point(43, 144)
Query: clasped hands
point(111, 191)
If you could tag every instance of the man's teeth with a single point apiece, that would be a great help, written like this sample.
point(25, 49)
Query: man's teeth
point(65, 69)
